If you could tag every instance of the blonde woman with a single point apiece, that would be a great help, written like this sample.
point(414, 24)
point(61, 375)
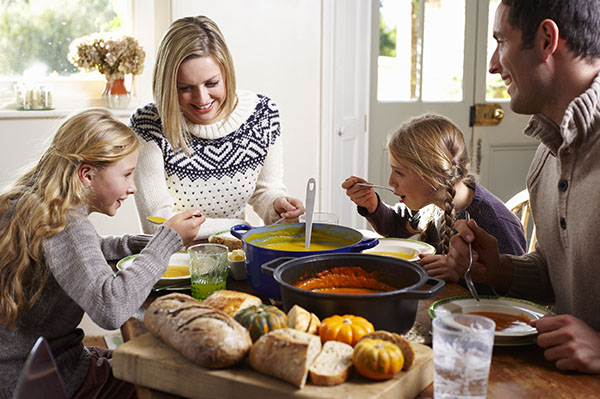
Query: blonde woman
point(430, 174)
point(203, 143)
point(54, 264)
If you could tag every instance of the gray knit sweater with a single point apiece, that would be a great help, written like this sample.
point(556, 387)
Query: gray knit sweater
point(81, 280)
point(563, 183)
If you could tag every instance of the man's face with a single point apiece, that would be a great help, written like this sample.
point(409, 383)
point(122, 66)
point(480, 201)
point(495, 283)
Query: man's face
point(518, 67)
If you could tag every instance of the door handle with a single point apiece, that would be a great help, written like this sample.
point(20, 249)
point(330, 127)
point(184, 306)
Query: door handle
point(485, 114)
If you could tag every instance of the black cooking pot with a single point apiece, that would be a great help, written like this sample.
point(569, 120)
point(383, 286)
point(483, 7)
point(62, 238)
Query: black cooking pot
point(392, 310)
point(346, 239)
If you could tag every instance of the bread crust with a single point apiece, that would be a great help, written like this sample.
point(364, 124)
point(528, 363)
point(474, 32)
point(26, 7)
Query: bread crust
point(286, 354)
point(231, 302)
point(400, 341)
point(205, 336)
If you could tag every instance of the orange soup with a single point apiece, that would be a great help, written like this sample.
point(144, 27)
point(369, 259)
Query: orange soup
point(177, 271)
point(504, 321)
point(344, 280)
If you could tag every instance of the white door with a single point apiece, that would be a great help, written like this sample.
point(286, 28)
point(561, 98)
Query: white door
point(346, 49)
point(442, 68)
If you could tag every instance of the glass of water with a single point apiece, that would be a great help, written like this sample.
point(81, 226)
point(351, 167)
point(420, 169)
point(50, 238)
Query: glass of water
point(462, 355)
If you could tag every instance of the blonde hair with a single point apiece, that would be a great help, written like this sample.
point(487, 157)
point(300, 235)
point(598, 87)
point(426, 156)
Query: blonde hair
point(39, 200)
point(187, 38)
point(434, 148)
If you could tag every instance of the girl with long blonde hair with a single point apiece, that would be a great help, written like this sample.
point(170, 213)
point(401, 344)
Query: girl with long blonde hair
point(54, 265)
point(430, 174)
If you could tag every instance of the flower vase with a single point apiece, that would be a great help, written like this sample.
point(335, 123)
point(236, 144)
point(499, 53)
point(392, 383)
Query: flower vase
point(116, 95)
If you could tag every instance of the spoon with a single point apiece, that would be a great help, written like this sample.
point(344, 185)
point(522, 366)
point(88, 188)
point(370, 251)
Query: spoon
point(375, 186)
point(156, 219)
point(310, 207)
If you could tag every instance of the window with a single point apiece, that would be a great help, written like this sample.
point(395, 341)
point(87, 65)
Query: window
point(415, 61)
point(34, 43)
point(494, 86)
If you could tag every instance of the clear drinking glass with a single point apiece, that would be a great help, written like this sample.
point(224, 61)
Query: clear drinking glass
point(208, 269)
point(462, 354)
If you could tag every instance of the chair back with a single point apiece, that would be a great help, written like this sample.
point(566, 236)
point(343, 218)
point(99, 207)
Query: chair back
point(519, 205)
point(40, 377)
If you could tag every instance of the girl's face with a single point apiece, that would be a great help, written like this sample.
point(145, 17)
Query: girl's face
point(200, 89)
point(413, 191)
point(110, 186)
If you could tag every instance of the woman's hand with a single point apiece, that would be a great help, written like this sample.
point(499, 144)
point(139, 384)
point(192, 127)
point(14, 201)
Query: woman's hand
point(288, 207)
point(569, 342)
point(361, 196)
point(438, 266)
point(186, 224)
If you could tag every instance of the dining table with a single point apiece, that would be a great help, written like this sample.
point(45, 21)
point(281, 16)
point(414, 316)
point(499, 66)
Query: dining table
point(517, 372)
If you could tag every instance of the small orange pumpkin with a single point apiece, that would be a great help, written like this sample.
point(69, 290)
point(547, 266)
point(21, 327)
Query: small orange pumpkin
point(348, 329)
point(377, 359)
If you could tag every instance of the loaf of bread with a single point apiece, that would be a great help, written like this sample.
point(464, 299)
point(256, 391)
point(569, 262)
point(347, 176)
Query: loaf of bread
point(231, 302)
point(226, 239)
point(302, 320)
point(286, 354)
point(333, 365)
point(400, 341)
point(205, 336)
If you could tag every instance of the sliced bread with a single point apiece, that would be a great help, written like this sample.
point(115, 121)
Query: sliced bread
point(315, 324)
point(286, 354)
point(299, 318)
point(400, 341)
point(230, 302)
point(333, 365)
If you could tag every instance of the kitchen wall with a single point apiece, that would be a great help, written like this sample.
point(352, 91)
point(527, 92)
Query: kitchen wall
point(276, 50)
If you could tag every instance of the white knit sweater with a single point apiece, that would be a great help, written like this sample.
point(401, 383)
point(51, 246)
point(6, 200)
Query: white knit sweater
point(233, 162)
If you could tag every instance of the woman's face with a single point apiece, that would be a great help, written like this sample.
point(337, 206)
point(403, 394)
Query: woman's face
point(413, 191)
point(200, 89)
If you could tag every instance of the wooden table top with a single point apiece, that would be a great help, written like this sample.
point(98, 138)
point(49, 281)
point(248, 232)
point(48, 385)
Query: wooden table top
point(516, 372)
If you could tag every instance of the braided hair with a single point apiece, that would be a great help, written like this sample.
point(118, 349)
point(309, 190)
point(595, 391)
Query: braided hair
point(434, 147)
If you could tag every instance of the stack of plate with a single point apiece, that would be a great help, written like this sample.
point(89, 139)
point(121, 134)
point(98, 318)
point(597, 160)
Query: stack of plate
point(519, 335)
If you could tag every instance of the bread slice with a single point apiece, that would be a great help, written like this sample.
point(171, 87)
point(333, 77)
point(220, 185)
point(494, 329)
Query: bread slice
point(315, 324)
point(333, 365)
point(400, 341)
point(286, 354)
point(299, 318)
point(231, 302)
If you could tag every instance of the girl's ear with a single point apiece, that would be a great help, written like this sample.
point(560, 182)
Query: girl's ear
point(86, 174)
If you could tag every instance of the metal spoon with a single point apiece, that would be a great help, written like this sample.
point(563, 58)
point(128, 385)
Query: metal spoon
point(468, 280)
point(310, 207)
point(375, 186)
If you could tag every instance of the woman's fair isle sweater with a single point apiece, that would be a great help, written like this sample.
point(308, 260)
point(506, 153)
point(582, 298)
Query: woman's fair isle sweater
point(233, 162)
point(80, 280)
point(563, 183)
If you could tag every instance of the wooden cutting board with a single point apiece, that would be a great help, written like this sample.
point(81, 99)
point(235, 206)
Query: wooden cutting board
point(149, 362)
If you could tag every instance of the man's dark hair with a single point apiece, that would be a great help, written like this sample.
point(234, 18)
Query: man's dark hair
point(577, 20)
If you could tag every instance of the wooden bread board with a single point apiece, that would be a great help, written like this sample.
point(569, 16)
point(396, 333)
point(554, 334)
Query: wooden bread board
point(149, 362)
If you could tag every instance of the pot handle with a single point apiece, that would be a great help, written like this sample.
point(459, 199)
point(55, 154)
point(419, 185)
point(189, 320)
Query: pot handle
point(268, 269)
point(239, 229)
point(366, 243)
point(436, 284)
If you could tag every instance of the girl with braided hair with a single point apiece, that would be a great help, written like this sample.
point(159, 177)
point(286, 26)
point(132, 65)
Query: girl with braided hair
point(54, 265)
point(430, 174)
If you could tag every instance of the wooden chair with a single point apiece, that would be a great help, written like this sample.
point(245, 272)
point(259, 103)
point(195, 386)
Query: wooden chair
point(40, 377)
point(519, 205)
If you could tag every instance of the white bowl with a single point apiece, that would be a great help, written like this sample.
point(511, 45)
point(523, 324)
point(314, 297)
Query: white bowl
point(180, 258)
point(401, 248)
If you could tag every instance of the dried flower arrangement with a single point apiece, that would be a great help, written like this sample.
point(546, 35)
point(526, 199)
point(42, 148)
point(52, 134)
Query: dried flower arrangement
point(113, 56)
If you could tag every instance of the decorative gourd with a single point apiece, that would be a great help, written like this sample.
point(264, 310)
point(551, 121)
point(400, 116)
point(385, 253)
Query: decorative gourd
point(348, 329)
point(377, 359)
point(260, 319)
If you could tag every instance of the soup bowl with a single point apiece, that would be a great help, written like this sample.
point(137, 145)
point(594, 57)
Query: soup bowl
point(261, 245)
point(393, 310)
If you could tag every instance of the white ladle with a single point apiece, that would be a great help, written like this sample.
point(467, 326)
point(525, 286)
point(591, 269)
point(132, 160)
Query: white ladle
point(310, 208)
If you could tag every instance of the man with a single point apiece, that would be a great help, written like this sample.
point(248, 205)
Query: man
point(548, 54)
